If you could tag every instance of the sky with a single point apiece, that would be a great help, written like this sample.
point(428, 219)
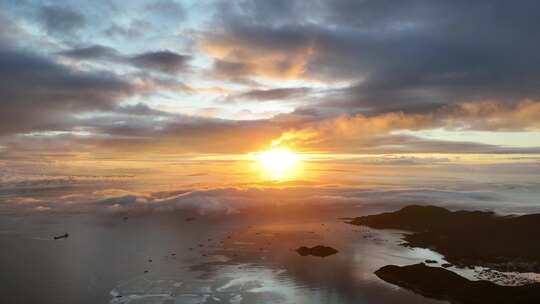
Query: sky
point(127, 104)
point(111, 78)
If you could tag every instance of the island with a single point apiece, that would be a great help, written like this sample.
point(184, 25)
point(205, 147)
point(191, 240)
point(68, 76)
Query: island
point(467, 238)
point(441, 284)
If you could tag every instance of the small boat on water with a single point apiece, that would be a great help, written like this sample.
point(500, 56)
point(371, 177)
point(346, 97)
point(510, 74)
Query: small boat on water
point(63, 236)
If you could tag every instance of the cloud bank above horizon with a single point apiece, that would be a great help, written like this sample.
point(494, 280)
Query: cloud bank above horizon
point(345, 76)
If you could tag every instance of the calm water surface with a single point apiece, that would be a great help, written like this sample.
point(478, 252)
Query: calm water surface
point(165, 259)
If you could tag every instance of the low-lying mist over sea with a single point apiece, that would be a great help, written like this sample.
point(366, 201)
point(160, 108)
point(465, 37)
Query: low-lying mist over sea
point(503, 183)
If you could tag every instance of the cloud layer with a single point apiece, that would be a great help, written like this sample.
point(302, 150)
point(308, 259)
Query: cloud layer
point(234, 76)
point(235, 201)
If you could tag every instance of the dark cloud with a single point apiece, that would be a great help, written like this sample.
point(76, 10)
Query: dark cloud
point(57, 19)
point(167, 62)
point(163, 61)
point(414, 53)
point(94, 52)
point(37, 93)
point(271, 94)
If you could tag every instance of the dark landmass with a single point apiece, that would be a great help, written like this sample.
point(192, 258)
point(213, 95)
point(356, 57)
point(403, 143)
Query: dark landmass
point(467, 238)
point(439, 283)
point(319, 251)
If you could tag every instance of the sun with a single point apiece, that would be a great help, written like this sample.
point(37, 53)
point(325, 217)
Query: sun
point(279, 163)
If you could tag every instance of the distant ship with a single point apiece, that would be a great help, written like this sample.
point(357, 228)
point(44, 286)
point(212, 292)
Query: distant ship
point(63, 236)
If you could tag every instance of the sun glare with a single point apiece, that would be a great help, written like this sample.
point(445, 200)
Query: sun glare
point(279, 164)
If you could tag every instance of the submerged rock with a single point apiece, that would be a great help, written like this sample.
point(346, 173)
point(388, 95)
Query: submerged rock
point(319, 251)
point(466, 238)
point(442, 284)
